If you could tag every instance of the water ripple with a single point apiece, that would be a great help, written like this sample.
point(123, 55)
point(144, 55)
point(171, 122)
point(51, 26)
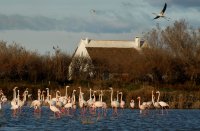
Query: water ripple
point(126, 120)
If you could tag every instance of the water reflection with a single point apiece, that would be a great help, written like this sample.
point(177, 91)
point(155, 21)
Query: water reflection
point(125, 120)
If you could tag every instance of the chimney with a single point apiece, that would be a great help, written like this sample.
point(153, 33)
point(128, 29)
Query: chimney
point(137, 41)
point(87, 40)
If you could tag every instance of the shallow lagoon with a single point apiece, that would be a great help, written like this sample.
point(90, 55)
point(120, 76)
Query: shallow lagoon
point(126, 120)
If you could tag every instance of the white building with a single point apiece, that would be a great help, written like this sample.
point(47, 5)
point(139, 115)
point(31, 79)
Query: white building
point(81, 50)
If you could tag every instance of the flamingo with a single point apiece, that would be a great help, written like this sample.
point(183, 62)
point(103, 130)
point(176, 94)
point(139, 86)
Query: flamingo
point(53, 108)
point(122, 103)
point(47, 99)
point(114, 103)
point(97, 104)
point(68, 106)
point(104, 105)
point(59, 102)
point(15, 105)
point(73, 99)
point(155, 104)
point(117, 95)
point(55, 99)
point(42, 97)
point(148, 104)
point(141, 107)
point(21, 103)
point(3, 97)
point(64, 99)
point(162, 103)
point(36, 103)
point(161, 14)
point(82, 102)
point(132, 104)
point(90, 101)
point(14, 100)
point(70, 102)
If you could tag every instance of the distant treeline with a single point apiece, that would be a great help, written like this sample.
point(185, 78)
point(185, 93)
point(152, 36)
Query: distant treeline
point(19, 64)
point(173, 59)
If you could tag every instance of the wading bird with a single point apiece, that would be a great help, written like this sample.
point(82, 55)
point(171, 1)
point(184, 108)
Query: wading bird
point(132, 104)
point(141, 107)
point(162, 103)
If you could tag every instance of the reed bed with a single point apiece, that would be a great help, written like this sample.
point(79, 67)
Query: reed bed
point(177, 99)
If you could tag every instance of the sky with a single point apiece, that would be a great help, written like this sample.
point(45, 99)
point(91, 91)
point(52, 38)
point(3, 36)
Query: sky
point(38, 25)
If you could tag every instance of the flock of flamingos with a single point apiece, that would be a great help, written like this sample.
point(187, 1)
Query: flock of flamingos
point(66, 104)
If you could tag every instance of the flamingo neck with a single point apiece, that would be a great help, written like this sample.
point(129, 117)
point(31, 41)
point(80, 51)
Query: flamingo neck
point(139, 102)
point(38, 96)
point(90, 94)
point(152, 98)
point(56, 95)
point(24, 98)
point(48, 95)
point(14, 94)
point(101, 96)
point(158, 97)
point(42, 97)
point(111, 99)
point(117, 96)
point(18, 98)
point(121, 97)
point(94, 97)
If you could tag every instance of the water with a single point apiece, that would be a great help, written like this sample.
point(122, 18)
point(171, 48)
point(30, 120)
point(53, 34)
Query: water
point(126, 120)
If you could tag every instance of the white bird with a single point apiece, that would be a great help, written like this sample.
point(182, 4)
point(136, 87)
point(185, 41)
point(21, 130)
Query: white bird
point(82, 102)
point(104, 107)
point(162, 103)
point(161, 14)
point(3, 98)
point(69, 101)
point(141, 107)
point(114, 103)
point(21, 103)
point(15, 106)
point(90, 101)
point(122, 103)
point(14, 100)
point(155, 104)
point(73, 99)
point(93, 11)
point(47, 99)
point(36, 103)
point(42, 97)
point(132, 104)
point(54, 109)
point(148, 103)
point(99, 104)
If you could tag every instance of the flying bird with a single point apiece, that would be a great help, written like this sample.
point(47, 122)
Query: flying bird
point(161, 14)
point(93, 11)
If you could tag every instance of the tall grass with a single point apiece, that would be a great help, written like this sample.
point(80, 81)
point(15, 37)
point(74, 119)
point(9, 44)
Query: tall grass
point(178, 99)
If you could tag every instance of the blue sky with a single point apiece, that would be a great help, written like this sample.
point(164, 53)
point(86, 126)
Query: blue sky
point(38, 25)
